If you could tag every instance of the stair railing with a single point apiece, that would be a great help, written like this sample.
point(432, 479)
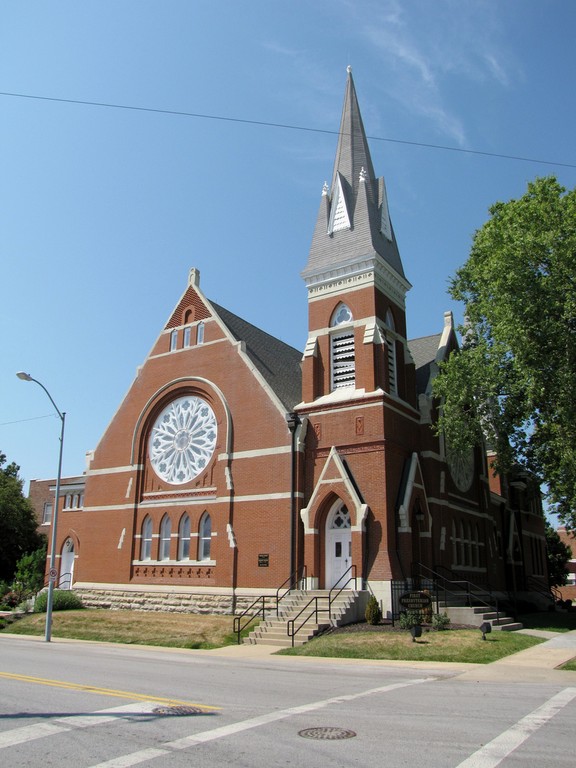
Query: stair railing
point(251, 613)
point(291, 628)
point(292, 581)
point(458, 588)
point(347, 577)
point(552, 594)
point(351, 574)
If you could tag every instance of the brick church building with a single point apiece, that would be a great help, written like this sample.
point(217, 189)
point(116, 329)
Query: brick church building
point(236, 463)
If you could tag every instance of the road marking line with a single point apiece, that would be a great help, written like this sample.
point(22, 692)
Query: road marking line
point(492, 754)
point(42, 730)
point(135, 758)
point(102, 691)
point(29, 733)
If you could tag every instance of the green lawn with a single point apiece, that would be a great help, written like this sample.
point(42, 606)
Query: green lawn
point(194, 631)
point(462, 645)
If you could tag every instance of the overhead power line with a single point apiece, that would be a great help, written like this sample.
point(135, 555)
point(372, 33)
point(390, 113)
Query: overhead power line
point(287, 126)
point(31, 418)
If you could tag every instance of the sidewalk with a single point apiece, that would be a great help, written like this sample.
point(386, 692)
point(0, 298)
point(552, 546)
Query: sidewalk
point(536, 664)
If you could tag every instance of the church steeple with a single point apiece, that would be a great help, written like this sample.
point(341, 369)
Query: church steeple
point(353, 231)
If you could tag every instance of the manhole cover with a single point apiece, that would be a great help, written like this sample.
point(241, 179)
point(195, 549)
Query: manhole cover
point(178, 709)
point(326, 733)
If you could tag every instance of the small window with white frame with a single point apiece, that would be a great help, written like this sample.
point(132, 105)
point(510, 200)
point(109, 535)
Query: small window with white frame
point(47, 513)
point(173, 341)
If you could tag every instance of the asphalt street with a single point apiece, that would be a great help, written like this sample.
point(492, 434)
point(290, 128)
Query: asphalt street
point(90, 705)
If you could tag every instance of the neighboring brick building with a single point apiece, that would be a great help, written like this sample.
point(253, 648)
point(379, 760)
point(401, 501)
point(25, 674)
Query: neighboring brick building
point(569, 590)
point(202, 486)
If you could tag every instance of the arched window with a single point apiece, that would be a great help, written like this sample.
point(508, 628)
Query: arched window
point(165, 535)
point(184, 538)
point(146, 541)
point(343, 364)
point(204, 537)
point(187, 336)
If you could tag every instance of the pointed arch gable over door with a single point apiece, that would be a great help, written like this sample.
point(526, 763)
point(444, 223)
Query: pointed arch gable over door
point(334, 490)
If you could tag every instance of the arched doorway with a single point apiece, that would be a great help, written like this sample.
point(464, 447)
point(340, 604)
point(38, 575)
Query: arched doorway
point(67, 565)
point(338, 544)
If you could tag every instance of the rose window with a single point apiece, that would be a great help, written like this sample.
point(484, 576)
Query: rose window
point(183, 440)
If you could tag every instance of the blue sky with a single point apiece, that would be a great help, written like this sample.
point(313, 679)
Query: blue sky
point(103, 211)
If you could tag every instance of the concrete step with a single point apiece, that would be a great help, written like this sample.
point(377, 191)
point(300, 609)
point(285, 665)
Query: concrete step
point(273, 630)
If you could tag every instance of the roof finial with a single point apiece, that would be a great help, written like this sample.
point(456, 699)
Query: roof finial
point(325, 189)
point(349, 69)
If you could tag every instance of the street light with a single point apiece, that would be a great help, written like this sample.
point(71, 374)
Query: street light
point(293, 421)
point(52, 573)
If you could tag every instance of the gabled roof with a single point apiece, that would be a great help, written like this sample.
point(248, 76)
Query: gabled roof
point(277, 362)
point(363, 228)
point(424, 351)
point(429, 350)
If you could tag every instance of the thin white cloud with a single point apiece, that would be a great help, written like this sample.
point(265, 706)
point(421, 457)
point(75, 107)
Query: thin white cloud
point(425, 51)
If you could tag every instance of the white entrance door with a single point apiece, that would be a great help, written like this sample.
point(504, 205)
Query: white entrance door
point(67, 565)
point(338, 545)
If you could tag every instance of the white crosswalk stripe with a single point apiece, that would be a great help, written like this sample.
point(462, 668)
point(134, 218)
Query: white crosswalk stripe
point(61, 724)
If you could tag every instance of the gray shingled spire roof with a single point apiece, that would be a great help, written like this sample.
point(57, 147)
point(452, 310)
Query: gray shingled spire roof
point(358, 199)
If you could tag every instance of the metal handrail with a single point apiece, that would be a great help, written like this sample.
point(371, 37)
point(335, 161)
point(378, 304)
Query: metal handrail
point(353, 578)
point(64, 578)
point(549, 592)
point(239, 626)
point(292, 630)
point(469, 589)
point(292, 582)
point(261, 600)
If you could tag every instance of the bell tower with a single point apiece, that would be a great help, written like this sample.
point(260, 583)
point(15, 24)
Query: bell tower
point(355, 278)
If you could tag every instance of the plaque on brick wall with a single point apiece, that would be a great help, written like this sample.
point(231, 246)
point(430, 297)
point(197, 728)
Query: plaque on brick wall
point(263, 561)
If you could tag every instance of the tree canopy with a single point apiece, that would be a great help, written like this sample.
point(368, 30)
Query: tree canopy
point(18, 525)
point(512, 383)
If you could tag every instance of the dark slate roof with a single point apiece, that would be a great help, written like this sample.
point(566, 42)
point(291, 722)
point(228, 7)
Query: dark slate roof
point(424, 351)
point(279, 363)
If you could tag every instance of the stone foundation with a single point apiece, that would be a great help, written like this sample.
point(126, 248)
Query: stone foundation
point(224, 604)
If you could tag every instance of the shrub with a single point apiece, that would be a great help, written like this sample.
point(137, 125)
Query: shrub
point(440, 621)
point(12, 599)
point(30, 570)
point(410, 619)
point(63, 600)
point(373, 613)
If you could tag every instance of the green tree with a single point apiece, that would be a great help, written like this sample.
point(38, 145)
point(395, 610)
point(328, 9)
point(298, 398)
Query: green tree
point(558, 555)
point(18, 525)
point(30, 570)
point(513, 380)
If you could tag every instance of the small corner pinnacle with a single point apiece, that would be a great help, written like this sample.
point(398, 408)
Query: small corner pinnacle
point(194, 277)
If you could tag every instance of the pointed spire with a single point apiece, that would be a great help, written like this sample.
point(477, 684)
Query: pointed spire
point(353, 227)
point(352, 153)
